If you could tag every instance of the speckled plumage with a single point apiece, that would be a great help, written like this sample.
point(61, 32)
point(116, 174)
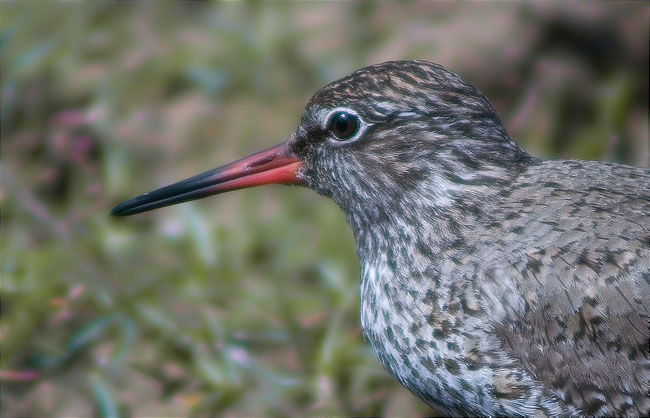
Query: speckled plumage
point(493, 283)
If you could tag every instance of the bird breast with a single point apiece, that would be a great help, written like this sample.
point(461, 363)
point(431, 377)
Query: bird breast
point(434, 341)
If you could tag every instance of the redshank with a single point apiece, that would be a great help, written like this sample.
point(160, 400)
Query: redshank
point(492, 282)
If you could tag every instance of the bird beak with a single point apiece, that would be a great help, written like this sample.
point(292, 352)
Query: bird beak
point(275, 165)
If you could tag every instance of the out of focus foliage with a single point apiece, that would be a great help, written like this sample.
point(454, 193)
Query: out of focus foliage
point(245, 304)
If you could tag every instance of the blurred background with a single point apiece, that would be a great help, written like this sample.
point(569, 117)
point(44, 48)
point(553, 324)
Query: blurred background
point(247, 303)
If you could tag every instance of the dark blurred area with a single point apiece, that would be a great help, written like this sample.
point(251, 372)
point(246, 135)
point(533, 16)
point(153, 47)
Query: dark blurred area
point(247, 303)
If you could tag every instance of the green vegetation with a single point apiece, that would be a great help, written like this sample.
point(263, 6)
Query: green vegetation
point(247, 303)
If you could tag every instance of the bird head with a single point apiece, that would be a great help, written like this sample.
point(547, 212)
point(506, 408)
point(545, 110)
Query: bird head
point(389, 133)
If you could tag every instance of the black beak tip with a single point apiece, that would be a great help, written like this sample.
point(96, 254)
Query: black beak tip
point(117, 211)
point(121, 210)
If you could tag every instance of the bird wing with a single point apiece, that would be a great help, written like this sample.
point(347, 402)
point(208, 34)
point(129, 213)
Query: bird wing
point(583, 269)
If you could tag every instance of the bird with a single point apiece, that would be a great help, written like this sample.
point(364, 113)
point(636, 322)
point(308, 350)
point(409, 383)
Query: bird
point(492, 282)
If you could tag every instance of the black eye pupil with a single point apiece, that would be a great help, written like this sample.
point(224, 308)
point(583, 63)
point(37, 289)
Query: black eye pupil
point(344, 125)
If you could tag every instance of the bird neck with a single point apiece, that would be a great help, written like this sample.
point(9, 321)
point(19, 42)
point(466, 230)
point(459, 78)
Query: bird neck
point(406, 299)
point(405, 245)
point(409, 242)
point(435, 213)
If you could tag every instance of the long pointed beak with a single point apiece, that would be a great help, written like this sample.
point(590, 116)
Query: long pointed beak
point(275, 165)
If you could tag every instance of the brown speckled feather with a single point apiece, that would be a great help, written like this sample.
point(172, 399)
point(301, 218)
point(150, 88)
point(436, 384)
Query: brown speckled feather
point(583, 269)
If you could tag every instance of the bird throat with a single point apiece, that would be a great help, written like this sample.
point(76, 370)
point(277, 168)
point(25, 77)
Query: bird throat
point(411, 309)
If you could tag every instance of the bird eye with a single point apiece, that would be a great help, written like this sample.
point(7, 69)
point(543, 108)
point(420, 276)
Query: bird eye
point(344, 125)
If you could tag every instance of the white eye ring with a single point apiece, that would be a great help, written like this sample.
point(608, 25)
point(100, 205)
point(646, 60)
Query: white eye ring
point(350, 116)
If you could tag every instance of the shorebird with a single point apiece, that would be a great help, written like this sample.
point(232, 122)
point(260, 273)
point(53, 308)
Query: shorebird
point(492, 282)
